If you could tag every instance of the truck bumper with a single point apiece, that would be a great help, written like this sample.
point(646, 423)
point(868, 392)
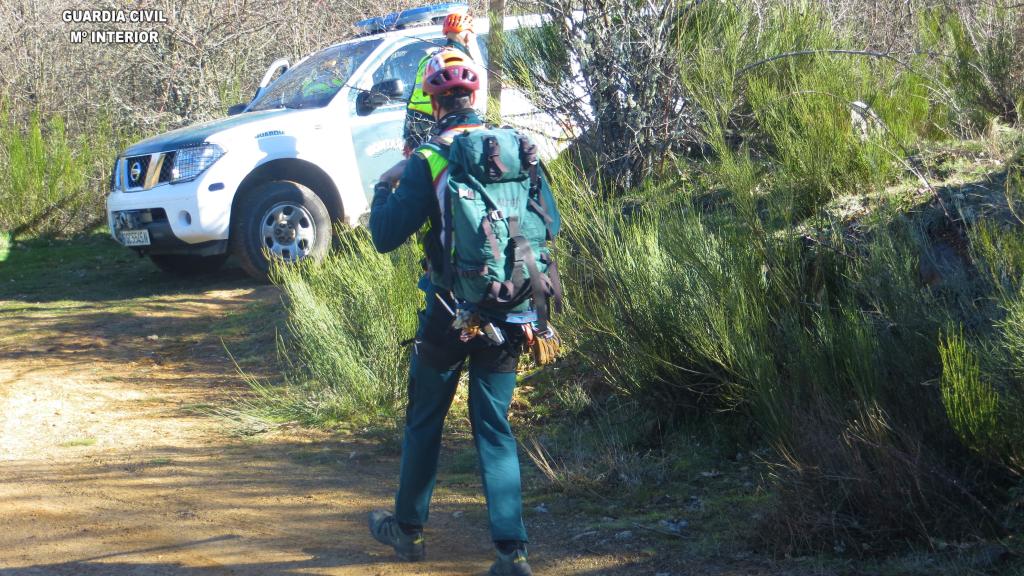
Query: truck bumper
point(162, 239)
point(184, 218)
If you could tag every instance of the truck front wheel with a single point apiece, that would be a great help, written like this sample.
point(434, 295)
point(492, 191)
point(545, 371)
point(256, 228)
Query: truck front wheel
point(279, 220)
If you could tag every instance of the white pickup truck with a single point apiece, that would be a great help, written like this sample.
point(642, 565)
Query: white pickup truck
point(271, 179)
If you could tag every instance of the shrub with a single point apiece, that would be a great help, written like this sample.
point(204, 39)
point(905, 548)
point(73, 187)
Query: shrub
point(830, 347)
point(346, 317)
point(630, 108)
point(983, 59)
point(50, 181)
point(772, 85)
point(971, 403)
point(736, 290)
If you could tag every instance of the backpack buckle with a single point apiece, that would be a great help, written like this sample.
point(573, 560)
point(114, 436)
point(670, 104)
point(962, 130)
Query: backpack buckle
point(495, 215)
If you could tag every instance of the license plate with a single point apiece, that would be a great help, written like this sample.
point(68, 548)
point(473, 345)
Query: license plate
point(135, 237)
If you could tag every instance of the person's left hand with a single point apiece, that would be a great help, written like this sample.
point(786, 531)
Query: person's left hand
point(394, 174)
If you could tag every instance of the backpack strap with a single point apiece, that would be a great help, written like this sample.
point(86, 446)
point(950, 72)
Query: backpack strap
point(556, 283)
point(528, 157)
point(435, 154)
point(446, 243)
point(495, 167)
point(524, 252)
point(491, 238)
point(537, 202)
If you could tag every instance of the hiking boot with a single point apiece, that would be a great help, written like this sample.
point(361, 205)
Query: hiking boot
point(512, 564)
point(384, 527)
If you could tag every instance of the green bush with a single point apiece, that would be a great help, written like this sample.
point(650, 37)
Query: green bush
point(52, 182)
point(971, 403)
point(346, 317)
point(735, 292)
point(982, 61)
point(774, 83)
point(830, 347)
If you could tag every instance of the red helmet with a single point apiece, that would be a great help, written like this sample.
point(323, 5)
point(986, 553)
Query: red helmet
point(449, 70)
point(457, 23)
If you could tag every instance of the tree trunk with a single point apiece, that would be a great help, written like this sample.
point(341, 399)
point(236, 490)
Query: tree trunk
point(496, 57)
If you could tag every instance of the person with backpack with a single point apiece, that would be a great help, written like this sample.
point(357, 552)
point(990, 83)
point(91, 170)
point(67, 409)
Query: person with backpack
point(419, 120)
point(487, 215)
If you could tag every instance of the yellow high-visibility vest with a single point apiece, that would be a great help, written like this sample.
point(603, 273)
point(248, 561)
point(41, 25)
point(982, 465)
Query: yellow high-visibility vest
point(420, 100)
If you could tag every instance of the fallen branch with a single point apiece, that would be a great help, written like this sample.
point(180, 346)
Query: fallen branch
point(870, 53)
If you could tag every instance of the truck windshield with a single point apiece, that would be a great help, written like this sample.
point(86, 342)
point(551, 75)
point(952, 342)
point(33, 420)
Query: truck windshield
point(316, 80)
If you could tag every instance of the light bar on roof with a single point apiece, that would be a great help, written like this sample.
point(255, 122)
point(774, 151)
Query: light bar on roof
point(411, 17)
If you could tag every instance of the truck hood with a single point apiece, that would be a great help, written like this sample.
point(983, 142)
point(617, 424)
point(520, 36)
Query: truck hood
point(198, 133)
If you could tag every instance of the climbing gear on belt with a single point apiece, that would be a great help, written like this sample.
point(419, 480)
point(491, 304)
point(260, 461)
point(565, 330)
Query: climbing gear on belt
point(493, 333)
point(469, 324)
point(444, 304)
point(543, 346)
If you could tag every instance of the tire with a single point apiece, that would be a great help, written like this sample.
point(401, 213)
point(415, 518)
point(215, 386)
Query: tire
point(188, 264)
point(279, 219)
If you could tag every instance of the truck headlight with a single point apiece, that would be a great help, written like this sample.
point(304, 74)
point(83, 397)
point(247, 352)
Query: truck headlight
point(190, 162)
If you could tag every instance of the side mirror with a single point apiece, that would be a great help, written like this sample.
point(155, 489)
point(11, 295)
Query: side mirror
point(382, 93)
point(236, 109)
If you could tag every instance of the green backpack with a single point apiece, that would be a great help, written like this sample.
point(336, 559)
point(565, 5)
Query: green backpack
point(499, 217)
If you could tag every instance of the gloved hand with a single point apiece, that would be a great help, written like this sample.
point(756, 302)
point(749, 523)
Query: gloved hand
point(544, 348)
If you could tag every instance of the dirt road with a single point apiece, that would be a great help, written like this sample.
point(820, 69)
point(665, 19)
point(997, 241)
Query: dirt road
point(110, 462)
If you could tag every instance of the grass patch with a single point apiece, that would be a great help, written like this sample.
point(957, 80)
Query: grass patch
point(91, 267)
point(77, 442)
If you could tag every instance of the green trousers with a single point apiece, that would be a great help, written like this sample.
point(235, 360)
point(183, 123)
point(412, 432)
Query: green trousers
point(437, 361)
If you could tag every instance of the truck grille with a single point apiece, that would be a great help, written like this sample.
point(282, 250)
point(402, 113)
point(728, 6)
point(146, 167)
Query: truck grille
point(166, 167)
point(143, 172)
point(135, 171)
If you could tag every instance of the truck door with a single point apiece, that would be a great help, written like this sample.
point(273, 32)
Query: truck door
point(377, 136)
